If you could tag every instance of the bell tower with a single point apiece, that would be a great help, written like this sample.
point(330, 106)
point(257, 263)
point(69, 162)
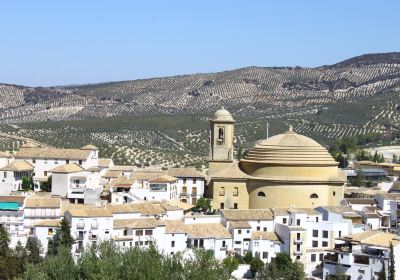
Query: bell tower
point(221, 140)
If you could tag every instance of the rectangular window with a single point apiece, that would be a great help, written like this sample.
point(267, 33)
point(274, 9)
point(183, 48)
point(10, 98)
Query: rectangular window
point(324, 244)
point(334, 193)
point(265, 229)
point(298, 236)
point(67, 161)
point(238, 242)
point(298, 247)
point(222, 191)
point(315, 233)
point(223, 243)
point(172, 244)
point(325, 234)
point(235, 206)
point(222, 206)
point(258, 228)
point(313, 257)
point(139, 232)
point(298, 222)
point(340, 233)
point(45, 173)
point(284, 220)
point(194, 181)
point(33, 160)
point(236, 191)
point(149, 232)
point(265, 255)
point(321, 257)
point(315, 243)
point(80, 162)
point(5, 174)
point(184, 180)
point(56, 161)
point(239, 231)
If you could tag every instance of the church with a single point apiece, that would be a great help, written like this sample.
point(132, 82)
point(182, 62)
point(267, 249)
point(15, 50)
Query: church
point(285, 170)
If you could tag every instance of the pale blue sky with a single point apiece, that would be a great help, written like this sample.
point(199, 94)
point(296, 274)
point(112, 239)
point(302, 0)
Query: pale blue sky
point(48, 43)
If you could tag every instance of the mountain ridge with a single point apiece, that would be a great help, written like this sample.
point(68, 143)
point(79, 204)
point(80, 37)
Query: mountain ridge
point(358, 96)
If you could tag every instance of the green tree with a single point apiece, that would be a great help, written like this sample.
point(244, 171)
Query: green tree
point(296, 271)
point(282, 267)
point(62, 238)
point(256, 265)
point(34, 249)
point(60, 266)
point(20, 255)
point(231, 263)
point(26, 183)
point(46, 186)
point(382, 273)
point(4, 241)
point(392, 270)
point(248, 257)
point(8, 269)
point(203, 204)
point(359, 180)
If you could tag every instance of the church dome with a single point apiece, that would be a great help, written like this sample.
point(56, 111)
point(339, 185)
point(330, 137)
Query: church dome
point(223, 115)
point(296, 153)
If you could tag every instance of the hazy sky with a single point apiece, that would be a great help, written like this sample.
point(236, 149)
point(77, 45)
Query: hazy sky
point(48, 43)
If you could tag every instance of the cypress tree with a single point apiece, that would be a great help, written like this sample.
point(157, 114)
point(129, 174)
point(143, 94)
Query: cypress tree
point(392, 271)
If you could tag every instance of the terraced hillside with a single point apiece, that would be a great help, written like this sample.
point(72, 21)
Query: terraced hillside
point(164, 120)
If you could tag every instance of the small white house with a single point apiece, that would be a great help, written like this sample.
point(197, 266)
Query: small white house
point(38, 209)
point(190, 184)
point(44, 231)
point(11, 176)
point(72, 180)
point(361, 256)
point(89, 226)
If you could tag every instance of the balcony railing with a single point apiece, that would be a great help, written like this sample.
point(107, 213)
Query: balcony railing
point(93, 237)
point(193, 195)
point(184, 194)
point(298, 253)
point(297, 241)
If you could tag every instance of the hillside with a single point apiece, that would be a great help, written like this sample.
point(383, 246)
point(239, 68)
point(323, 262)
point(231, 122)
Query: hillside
point(164, 120)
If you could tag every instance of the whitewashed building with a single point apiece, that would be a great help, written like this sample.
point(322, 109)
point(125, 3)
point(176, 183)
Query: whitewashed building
point(190, 184)
point(38, 209)
point(72, 181)
point(46, 159)
point(12, 218)
point(11, 176)
point(89, 226)
point(361, 255)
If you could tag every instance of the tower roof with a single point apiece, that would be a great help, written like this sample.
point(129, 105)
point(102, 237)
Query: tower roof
point(222, 115)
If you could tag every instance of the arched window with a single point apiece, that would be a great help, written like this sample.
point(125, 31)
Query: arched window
point(314, 195)
point(221, 133)
point(262, 194)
